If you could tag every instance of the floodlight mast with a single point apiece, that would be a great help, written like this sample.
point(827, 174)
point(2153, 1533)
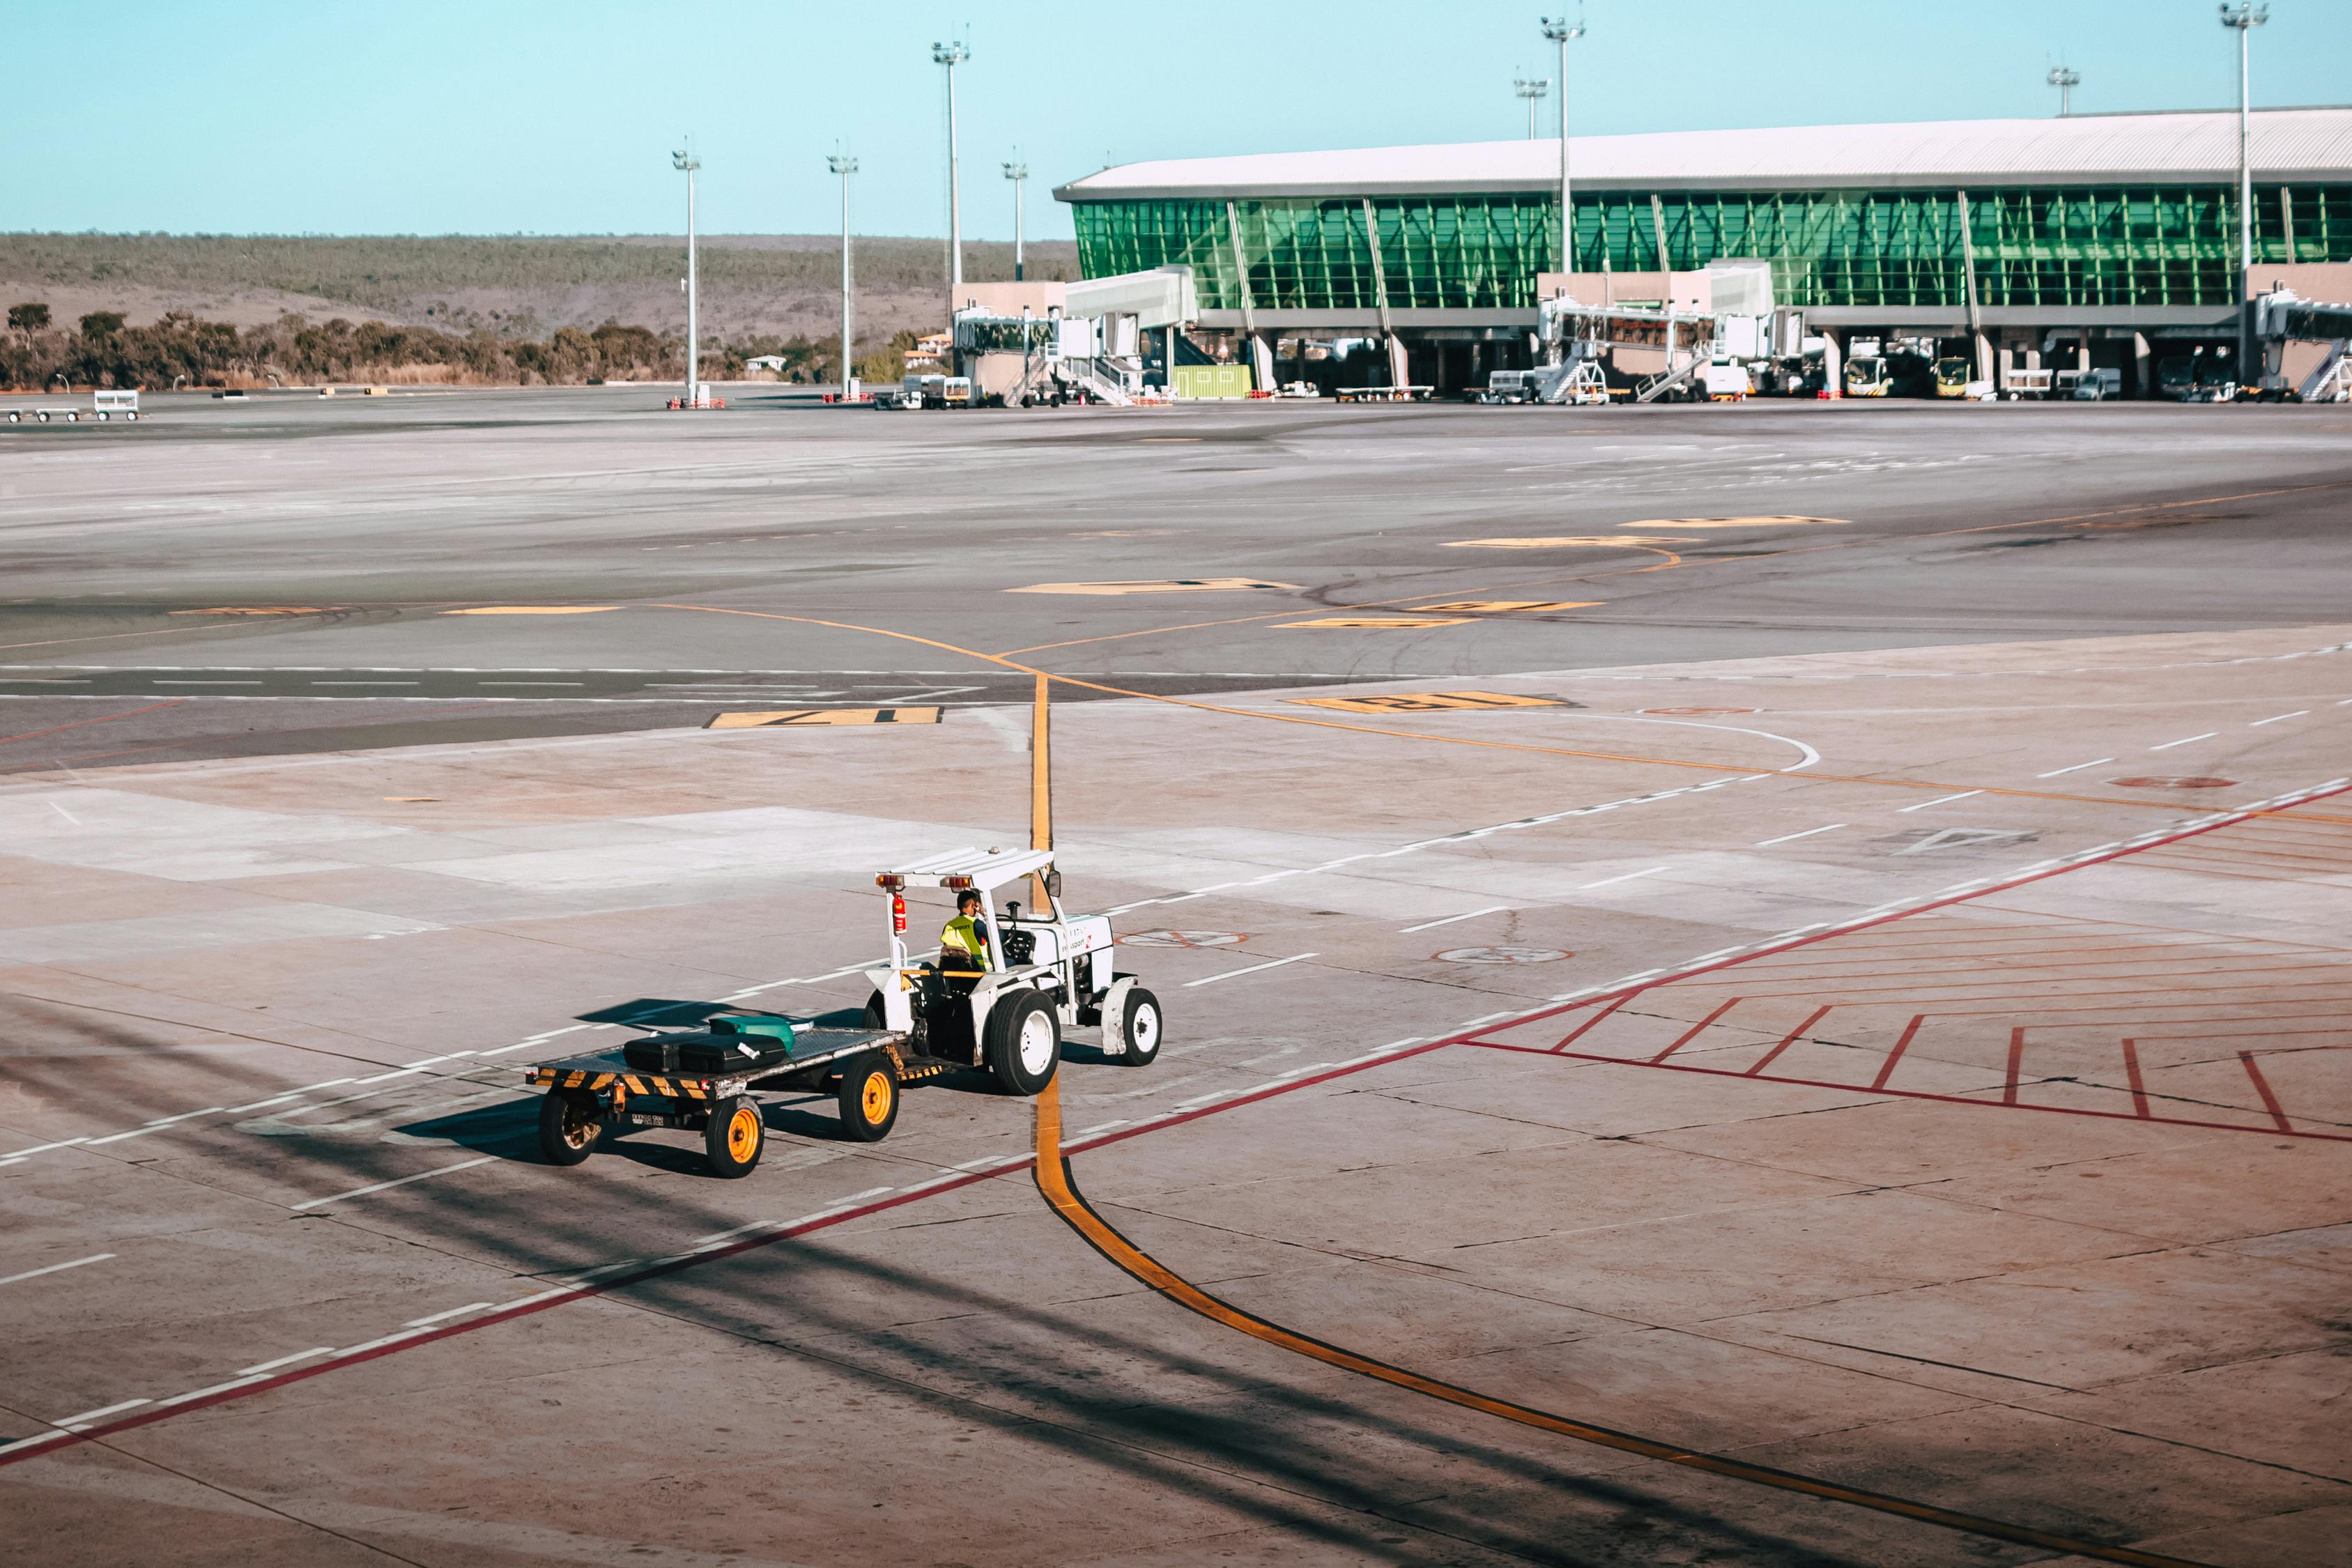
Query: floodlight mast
point(2065, 81)
point(1532, 88)
point(1018, 173)
point(952, 54)
point(2243, 18)
point(845, 167)
point(684, 161)
point(1560, 30)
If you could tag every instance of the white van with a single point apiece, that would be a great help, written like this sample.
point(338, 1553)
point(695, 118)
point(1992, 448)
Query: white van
point(2099, 386)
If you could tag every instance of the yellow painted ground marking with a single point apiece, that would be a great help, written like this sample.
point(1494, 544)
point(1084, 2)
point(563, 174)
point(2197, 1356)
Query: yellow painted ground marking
point(1376, 623)
point(1424, 702)
point(1777, 520)
point(1498, 607)
point(1008, 662)
point(1574, 541)
point(535, 610)
point(1168, 586)
point(826, 716)
point(1057, 1184)
point(264, 610)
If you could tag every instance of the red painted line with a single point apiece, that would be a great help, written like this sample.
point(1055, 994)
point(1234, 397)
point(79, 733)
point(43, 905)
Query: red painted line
point(102, 719)
point(1696, 1030)
point(27, 1450)
point(2140, 1088)
point(1886, 1067)
point(1578, 1032)
point(2263, 1088)
point(2016, 1057)
point(1920, 1094)
point(1791, 1038)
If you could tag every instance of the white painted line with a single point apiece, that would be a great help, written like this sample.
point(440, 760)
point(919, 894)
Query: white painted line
point(987, 1160)
point(1612, 881)
point(57, 1267)
point(1201, 1098)
point(2185, 740)
point(258, 1104)
point(437, 1317)
point(1469, 1023)
point(2077, 768)
point(2275, 718)
point(1792, 838)
point(386, 1186)
point(202, 1393)
point(259, 1367)
point(76, 1423)
point(371, 1345)
point(117, 1137)
point(1098, 1127)
point(42, 1148)
point(1474, 914)
point(1943, 800)
point(1253, 969)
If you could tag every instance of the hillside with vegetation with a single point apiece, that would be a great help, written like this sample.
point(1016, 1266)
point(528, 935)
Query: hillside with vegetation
point(247, 309)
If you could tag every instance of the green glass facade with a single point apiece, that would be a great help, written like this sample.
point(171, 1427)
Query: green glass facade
point(2144, 246)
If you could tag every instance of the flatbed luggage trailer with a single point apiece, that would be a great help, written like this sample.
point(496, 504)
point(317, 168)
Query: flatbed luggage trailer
point(587, 1094)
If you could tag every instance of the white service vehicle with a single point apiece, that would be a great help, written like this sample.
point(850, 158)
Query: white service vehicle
point(106, 404)
point(1048, 971)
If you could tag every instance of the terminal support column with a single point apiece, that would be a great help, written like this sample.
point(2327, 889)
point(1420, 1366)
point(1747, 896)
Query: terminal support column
point(1397, 367)
point(1968, 287)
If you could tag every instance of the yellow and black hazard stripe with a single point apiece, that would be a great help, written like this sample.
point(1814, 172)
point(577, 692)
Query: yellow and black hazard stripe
point(629, 1083)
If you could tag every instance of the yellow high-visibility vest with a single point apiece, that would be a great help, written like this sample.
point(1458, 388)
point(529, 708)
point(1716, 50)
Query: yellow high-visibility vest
point(960, 935)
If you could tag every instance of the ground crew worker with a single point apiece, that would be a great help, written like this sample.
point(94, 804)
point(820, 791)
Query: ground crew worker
point(963, 941)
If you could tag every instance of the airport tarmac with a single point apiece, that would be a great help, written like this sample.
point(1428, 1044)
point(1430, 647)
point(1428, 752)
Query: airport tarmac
point(1844, 981)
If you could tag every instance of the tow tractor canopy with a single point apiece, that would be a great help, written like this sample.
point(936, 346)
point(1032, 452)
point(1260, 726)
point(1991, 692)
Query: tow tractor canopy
point(985, 869)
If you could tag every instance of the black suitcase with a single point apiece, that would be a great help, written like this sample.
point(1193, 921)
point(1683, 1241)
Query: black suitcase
point(705, 1051)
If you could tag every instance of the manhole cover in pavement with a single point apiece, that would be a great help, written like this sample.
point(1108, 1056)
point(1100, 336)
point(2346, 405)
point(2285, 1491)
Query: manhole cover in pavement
point(1695, 709)
point(1182, 939)
point(1502, 955)
point(2195, 781)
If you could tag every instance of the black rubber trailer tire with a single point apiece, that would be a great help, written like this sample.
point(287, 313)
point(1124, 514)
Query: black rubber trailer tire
point(1024, 1042)
point(570, 1124)
point(873, 1016)
point(1139, 1028)
point(868, 1099)
point(735, 1137)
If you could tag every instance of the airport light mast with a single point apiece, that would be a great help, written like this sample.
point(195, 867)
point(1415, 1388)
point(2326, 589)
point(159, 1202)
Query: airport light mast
point(1532, 88)
point(2065, 81)
point(846, 167)
point(1018, 173)
point(2243, 18)
point(952, 54)
point(1560, 30)
point(685, 163)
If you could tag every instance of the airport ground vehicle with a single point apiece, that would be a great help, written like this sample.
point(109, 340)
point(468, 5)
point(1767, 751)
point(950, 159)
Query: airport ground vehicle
point(1952, 377)
point(2099, 386)
point(1866, 376)
point(1725, 380)
point(2202, 375)
point(1512, 386)
point(106, 404)
point(1047, 972)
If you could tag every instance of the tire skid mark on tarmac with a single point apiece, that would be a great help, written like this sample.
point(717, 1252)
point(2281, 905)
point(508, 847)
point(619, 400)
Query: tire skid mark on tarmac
point(609, 1278)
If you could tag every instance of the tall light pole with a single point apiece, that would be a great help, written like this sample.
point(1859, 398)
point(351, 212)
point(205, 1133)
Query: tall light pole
point(2244, 17)
point(952, 54)
point(1532, 88)
point(687, 164)
point(2065, 81)
point(1560, 30)
point(846, 167)
point(1018, 173)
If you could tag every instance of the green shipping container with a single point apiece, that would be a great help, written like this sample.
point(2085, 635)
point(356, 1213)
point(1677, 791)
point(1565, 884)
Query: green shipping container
point(1212, 381)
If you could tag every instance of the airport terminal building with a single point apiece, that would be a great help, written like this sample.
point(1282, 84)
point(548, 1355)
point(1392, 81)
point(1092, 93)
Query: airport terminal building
point(2091, 234)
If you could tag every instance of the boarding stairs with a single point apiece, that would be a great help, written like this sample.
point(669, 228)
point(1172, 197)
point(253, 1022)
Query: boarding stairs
point(1668, 381)
point(2332, 382)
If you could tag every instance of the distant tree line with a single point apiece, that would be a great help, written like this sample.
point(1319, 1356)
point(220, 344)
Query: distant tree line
point(183, 350)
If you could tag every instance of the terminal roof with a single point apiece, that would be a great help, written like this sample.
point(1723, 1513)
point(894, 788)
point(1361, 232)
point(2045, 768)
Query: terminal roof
point(2201, 146)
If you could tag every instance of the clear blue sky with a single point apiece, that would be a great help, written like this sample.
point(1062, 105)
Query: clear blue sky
point(529, 116)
